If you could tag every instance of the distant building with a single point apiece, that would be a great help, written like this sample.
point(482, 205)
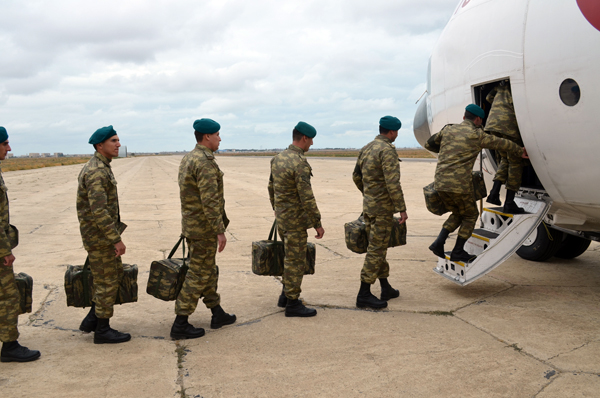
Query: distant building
point(123, 151)
point(34, 155)
point(58, 154)
point(45, 155)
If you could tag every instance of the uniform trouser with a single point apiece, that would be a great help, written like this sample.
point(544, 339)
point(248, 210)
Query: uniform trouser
point(294, 263)
point(9, 305)
point(379, 230)
point(464, 212)
point(510, 170)
point(201, 278)
point(107, 271)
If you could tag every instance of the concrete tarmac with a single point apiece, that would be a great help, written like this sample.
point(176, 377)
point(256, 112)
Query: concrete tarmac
point(525, 330)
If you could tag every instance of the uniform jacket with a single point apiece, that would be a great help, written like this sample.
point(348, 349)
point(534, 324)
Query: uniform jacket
point(201, 194)
point(290, 191)
point(458, 146)
point(98, 204)
point(377, 176)
point(5, 249)
point(502, 118)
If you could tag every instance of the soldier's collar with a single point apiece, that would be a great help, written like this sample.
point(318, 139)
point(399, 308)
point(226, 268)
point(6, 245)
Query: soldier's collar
point(203, 148)
point(383, 138)
point(294, 148)
point(103, 158)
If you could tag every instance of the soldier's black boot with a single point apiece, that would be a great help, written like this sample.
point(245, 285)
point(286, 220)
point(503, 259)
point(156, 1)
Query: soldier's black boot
point(220, 318)
point(437, 247)
point(282, 302)
point(182, 329)
point(494, 196)
point(297, 308)
point(14, 352)
point(90, 322)
point(510, 206)
point(387, 291)
point(106, 335)
point(366, 299)
point(459, 253)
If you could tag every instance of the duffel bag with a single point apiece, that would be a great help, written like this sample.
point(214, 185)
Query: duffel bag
point(479, 189)
point(433, 201)
point(167, 276)
point(25, 287)
point(79, 285)
point(268, 255)
point(357, 240)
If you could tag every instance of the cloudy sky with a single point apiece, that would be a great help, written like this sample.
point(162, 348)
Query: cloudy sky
point(151, 67)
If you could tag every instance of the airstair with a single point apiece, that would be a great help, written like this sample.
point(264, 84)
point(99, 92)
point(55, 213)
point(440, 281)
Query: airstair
point(501, 234)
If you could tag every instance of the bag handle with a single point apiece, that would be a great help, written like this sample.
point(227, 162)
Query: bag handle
point(273, 232)
point(85, 280)
point(181, 241)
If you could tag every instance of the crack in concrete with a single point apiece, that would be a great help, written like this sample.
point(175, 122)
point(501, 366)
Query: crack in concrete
point(332, 251)
point(45, 302)
point(181, 350)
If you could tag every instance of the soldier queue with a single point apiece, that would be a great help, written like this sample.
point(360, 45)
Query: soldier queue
point(204, 222)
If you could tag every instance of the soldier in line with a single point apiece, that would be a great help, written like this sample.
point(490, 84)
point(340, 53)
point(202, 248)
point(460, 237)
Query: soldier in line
point(377, 176)
point(296, 211)
point(12, 351)
point(502, 122)
point(458, 147)
point(101, 228)
point(203, 224)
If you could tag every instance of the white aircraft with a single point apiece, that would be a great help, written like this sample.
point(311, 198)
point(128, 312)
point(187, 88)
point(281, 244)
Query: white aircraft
point(549, 54)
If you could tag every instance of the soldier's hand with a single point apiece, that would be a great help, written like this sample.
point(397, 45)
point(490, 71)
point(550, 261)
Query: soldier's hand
point(9, 260)
point(119, 248)
point(403, 217)
point(525, 155)
point(222, 242)
point(320, 232)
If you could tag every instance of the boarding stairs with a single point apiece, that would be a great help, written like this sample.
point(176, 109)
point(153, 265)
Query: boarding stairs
point(501, 234)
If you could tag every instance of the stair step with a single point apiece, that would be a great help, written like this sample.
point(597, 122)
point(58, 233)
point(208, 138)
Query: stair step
point(484, 234)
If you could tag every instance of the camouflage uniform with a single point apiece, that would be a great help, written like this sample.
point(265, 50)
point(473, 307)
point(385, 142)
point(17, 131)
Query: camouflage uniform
point(203, 218)
point(458, 147)
point(9, 295)
point(100, 227)
point(502, 122)
point(377, 176)
point(296, 211)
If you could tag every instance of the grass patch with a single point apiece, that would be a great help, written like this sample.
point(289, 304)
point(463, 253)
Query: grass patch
point(12, 164)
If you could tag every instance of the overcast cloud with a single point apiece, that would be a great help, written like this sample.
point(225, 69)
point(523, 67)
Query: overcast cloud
point(150, 68)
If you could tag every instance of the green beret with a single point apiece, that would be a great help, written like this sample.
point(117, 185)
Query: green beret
point(306, 129)
point(102, 135)
point(3, 134)
point(475, 110)
point(206, 126)
point(390, 123)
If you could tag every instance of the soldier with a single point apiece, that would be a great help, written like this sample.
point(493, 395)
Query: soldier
point(502, 122)
point(101, 227)
point(296, 211)
point(203, 224)
point(377, 176)
point(12, 351)
point(458, 147)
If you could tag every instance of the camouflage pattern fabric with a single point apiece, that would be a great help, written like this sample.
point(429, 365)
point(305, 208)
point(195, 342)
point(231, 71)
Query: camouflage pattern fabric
point(379, 230)
point(25, 286)
point(479, 189)
point(166, 278)
point(107, 271)
point(290, 192)
point(510, 167)
point(357, 240)
point(458, 147)
point(201, 194)
point(201, 278)
point(502, 118)
point(98, 204)
point(5, 242)
point(433, 202)
point(464, 213)
point(294, 264)
point(377, 176)
point(9, 305)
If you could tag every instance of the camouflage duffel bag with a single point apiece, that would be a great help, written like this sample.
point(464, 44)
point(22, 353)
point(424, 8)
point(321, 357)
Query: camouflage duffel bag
point(167, 276)
point(268, 256)
point(479, 189)
point(357, 240)
point(79, 282)
point(433, 201)
point(25, 287)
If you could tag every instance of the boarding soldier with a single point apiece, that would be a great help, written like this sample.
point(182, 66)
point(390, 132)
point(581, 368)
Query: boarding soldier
point(502, 122)
point(458, 147)
point(12, 351)
point(101, 228)
point(377, 176)
point(203, 225)
point(296, 211)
